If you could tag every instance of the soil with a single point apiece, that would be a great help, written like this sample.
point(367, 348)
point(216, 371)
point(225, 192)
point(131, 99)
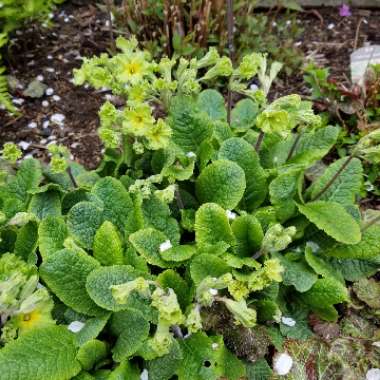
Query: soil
point(81, 29)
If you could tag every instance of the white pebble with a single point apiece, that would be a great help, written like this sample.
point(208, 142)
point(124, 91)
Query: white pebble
point(32, 125)
point(74, 145)
point(75, 326)
point(49, 91)
point(24, 145)
point(18, 101)
point(331, 26)
point(57, 118)
point(29, 155)
point(45, 124)
point(45, 103)
point(288, 321)
point(282, 363)
point(49, 69)
point(376, 344)
point(144, 375)
point(52, 137)
point(213, 291)
point(191, 154)
point(254, 87)
point(230, 215)
point(56, 98)
point(66, 19)
point(373, 374)
point(165, 246)
point(40, 78)
point(43, 141)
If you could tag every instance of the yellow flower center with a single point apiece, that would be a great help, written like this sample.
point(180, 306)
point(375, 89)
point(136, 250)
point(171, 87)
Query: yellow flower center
point(28, 320)
point(132, 68)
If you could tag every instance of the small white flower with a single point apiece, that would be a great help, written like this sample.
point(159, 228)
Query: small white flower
point(75, 326)
point(165, 246)
point(144, 375)
point(49, 91)
point(373, 374)
point(24, 145)
point(213, 291)
point(32, 125)
point(282, 363)
point(191, 155)
point(57, 118)
point(45, 103)
point(288, 321)
point(215, 346)
point(230, 215)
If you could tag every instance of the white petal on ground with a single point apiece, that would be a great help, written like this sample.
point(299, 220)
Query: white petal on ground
point(165, 246)
point(75, 326)
point(373, 374)
point(288, 321)
point(24, 145)
point(282, 363)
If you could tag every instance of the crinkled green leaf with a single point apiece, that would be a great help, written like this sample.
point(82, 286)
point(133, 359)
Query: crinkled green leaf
point(45, 204)
point(83, 220)
point(212, 225)
point(322, 297)
point(41, 354)
point(212, 102)
point(333, 219)
point(52, 232)
point(65, 272)
point(298, 274)
point(190, 126)
point(147, 243)
point(367, 249)
point(259, 370)
point(179, 253)
point(171, 279)
point(125, 371)
point(222, 182)
point(229, 366)
point(240, 151)
point(165, 367)
point(91, 352)
point(301, 329)
point(347, 185)
point(108, 247)
point(248, 233)
point(244, 114)
point(117, 203)
point(353, 270)
point(27, 240)
point(92, 328)
point(99, 284)
point(205, 265)
point(133, 330)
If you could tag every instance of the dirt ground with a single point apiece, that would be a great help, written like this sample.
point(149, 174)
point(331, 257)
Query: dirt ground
point(68, 115)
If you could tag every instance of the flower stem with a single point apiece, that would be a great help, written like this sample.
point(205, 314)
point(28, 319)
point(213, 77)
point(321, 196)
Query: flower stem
point(70, 173)
point(230, 28)
point(294, 146)
point(259, 141)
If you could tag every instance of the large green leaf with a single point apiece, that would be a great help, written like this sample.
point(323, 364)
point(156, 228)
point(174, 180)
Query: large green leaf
point(333, 219)
point(240, 151)
point(367, 249)
point(41, 354)
point(52, 232)
point(190, 126)
point(83, 220)
point(222, 182)
point(147, 243)
point(212, 102)
point(212, 225)
point(244, 114)
point(92, 328)
point(346, 186)
point(108, 247)
point(27, 240)
point(100, 281)
point(45, 204)
point(92, 352)
point(205, 265)
point(65, 272)
point(322, 297)
point(132, 330)
point(117, 203)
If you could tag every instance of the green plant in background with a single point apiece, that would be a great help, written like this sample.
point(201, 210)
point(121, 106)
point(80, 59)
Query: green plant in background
point(196, 245)
point(188, 28)
point(13, 14)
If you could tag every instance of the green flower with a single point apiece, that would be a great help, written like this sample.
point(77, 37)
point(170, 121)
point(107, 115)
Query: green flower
point(158, 135)
point(166, 195)
point(137, 119)
point(273, 270)
point(277, 238)
point(108, 115)
point(211, 58)
point(11, 152)
point(238, 290)
point(110, 138)
point(122, 292)
point(162, 339)
point(249, 66)
point(58, 164)
point(274, 121)
point(127, 46)
point(194, 320)
point(167, 305)
point(368, 147)
point(222, 68)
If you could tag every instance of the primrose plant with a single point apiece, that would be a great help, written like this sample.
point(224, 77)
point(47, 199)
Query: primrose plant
point(197, 245)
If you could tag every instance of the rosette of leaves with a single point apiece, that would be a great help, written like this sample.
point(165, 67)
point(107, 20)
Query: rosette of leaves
point(192, 259)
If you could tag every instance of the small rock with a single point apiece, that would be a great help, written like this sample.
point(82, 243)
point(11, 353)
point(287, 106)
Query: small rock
point(35, 89)
point(24, 145)
point(49, 91)
point(58, 118)
point(32, 125)
point(165, 246)
point(288, 321)
point(373, 374)
point(282, 363)
point(45, 103)
point(40, 78)
point(56, 98)
point(75, 326)
point(18, 101)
